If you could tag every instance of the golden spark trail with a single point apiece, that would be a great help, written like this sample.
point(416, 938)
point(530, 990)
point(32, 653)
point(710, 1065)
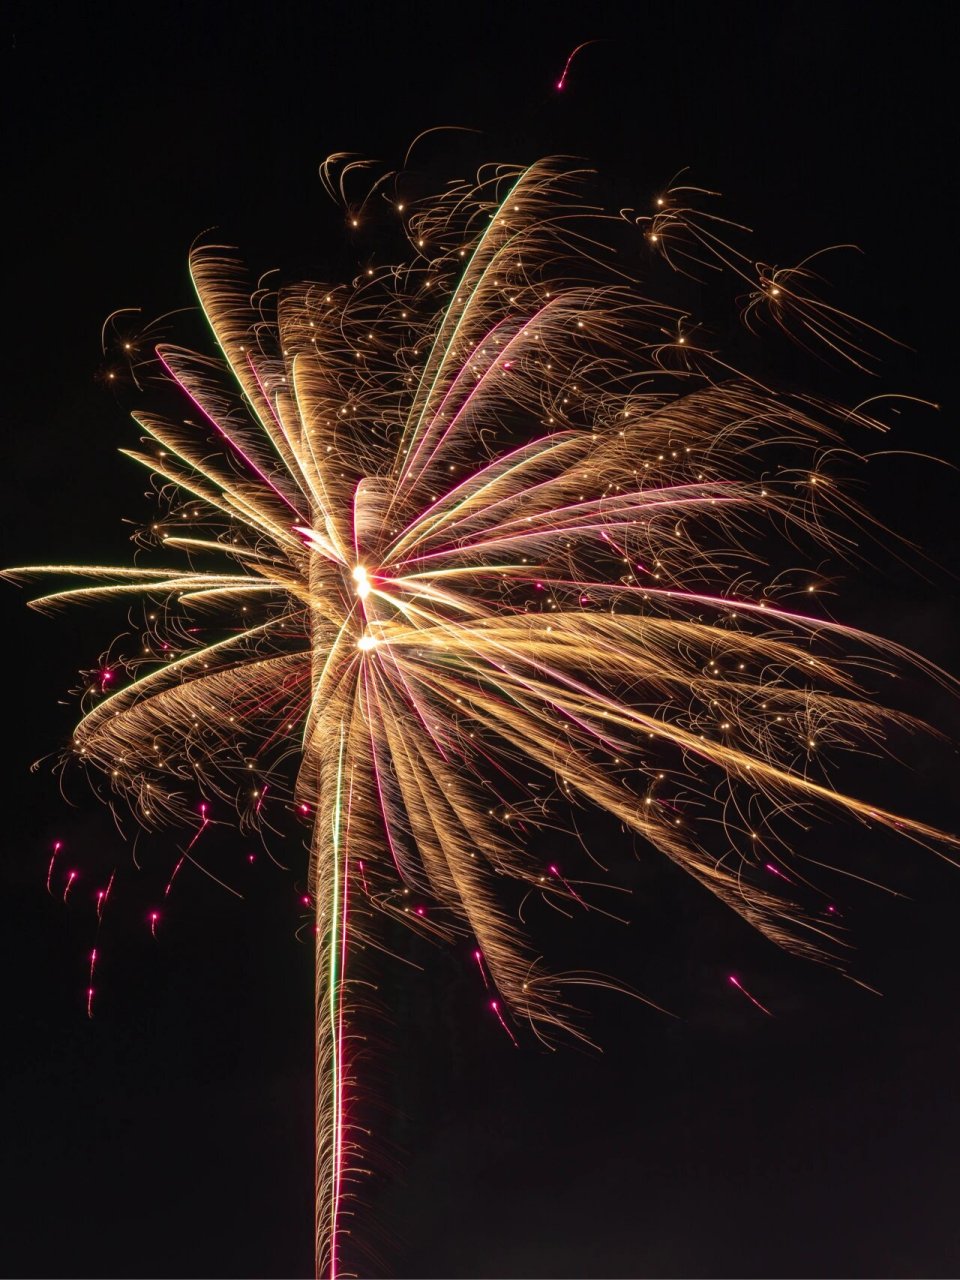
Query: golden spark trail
point(482, 535)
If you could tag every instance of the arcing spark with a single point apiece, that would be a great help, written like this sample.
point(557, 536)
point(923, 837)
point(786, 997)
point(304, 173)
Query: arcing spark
point(464, 535)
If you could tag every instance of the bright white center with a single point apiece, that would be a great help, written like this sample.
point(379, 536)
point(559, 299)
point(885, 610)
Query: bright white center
point(367, 642)
point(363, 583)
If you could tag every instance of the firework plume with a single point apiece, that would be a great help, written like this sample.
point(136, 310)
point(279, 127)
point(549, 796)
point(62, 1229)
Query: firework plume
point(472, 535)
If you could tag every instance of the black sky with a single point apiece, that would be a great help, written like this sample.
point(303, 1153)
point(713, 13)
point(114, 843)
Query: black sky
point(171, 1135)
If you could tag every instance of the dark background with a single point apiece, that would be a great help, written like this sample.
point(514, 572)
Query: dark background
point(172, 1135)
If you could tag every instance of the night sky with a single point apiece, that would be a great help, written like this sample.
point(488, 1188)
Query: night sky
point(172, 1134)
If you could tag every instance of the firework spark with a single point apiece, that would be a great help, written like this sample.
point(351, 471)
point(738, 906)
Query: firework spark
point(562, 82)
point(466, 533)
point(735, 982)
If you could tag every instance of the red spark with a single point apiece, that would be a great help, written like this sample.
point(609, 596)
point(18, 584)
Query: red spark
point(154, 917)
point(70, 879)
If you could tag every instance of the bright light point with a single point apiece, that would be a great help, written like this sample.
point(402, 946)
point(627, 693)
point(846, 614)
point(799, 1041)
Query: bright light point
point(362, 581)
point(367, 642)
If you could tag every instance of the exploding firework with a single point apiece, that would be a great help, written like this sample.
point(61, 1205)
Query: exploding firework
point(471, 536)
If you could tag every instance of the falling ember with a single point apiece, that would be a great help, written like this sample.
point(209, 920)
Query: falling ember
point(103, 895)
point(69, 885)
point(93, 962)
point(495, 1006)
point(775, 871)
point(204, 820)
point(566, 884)
point(56, 849)
point(740, 987)
point(561, 83)
point(425, 556)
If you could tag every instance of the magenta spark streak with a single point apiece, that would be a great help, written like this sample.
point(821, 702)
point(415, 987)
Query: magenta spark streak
point(740, 987)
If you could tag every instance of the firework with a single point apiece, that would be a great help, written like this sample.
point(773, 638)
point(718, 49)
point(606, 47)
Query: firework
point(467, 540)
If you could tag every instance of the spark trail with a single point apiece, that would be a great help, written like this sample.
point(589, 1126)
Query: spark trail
point(473, 536)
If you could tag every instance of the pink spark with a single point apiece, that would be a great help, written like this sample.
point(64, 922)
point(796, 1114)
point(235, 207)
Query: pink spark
point(561, 83)
point(363, 878)
point(495, 1006)
point(775, 871)
point(251, 857)
point(421, 911)
point(70, 879)
point(57, 846)
point(103, 895)
point(93, 962)
point(478, 956)
point(105, 677)
point(566, 884)
point(203, 824)
point(166, 892)
point(154, 917)
point(740, 987)
point(261, 798)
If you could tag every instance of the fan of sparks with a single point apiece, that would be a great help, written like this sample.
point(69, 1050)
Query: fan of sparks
point(469, 541)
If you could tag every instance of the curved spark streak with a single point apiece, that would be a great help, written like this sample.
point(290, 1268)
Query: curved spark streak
point(435, 493)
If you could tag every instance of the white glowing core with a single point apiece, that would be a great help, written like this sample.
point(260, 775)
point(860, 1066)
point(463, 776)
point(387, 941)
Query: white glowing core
point(367, 642)
point(363, 583)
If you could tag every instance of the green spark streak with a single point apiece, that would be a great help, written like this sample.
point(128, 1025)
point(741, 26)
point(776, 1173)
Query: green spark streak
point(334, 984)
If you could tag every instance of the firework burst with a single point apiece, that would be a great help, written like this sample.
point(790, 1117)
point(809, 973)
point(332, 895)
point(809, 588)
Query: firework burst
point(471, 535)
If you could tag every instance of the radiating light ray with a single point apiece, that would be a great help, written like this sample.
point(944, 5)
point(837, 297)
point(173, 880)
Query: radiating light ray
point(494, 535)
